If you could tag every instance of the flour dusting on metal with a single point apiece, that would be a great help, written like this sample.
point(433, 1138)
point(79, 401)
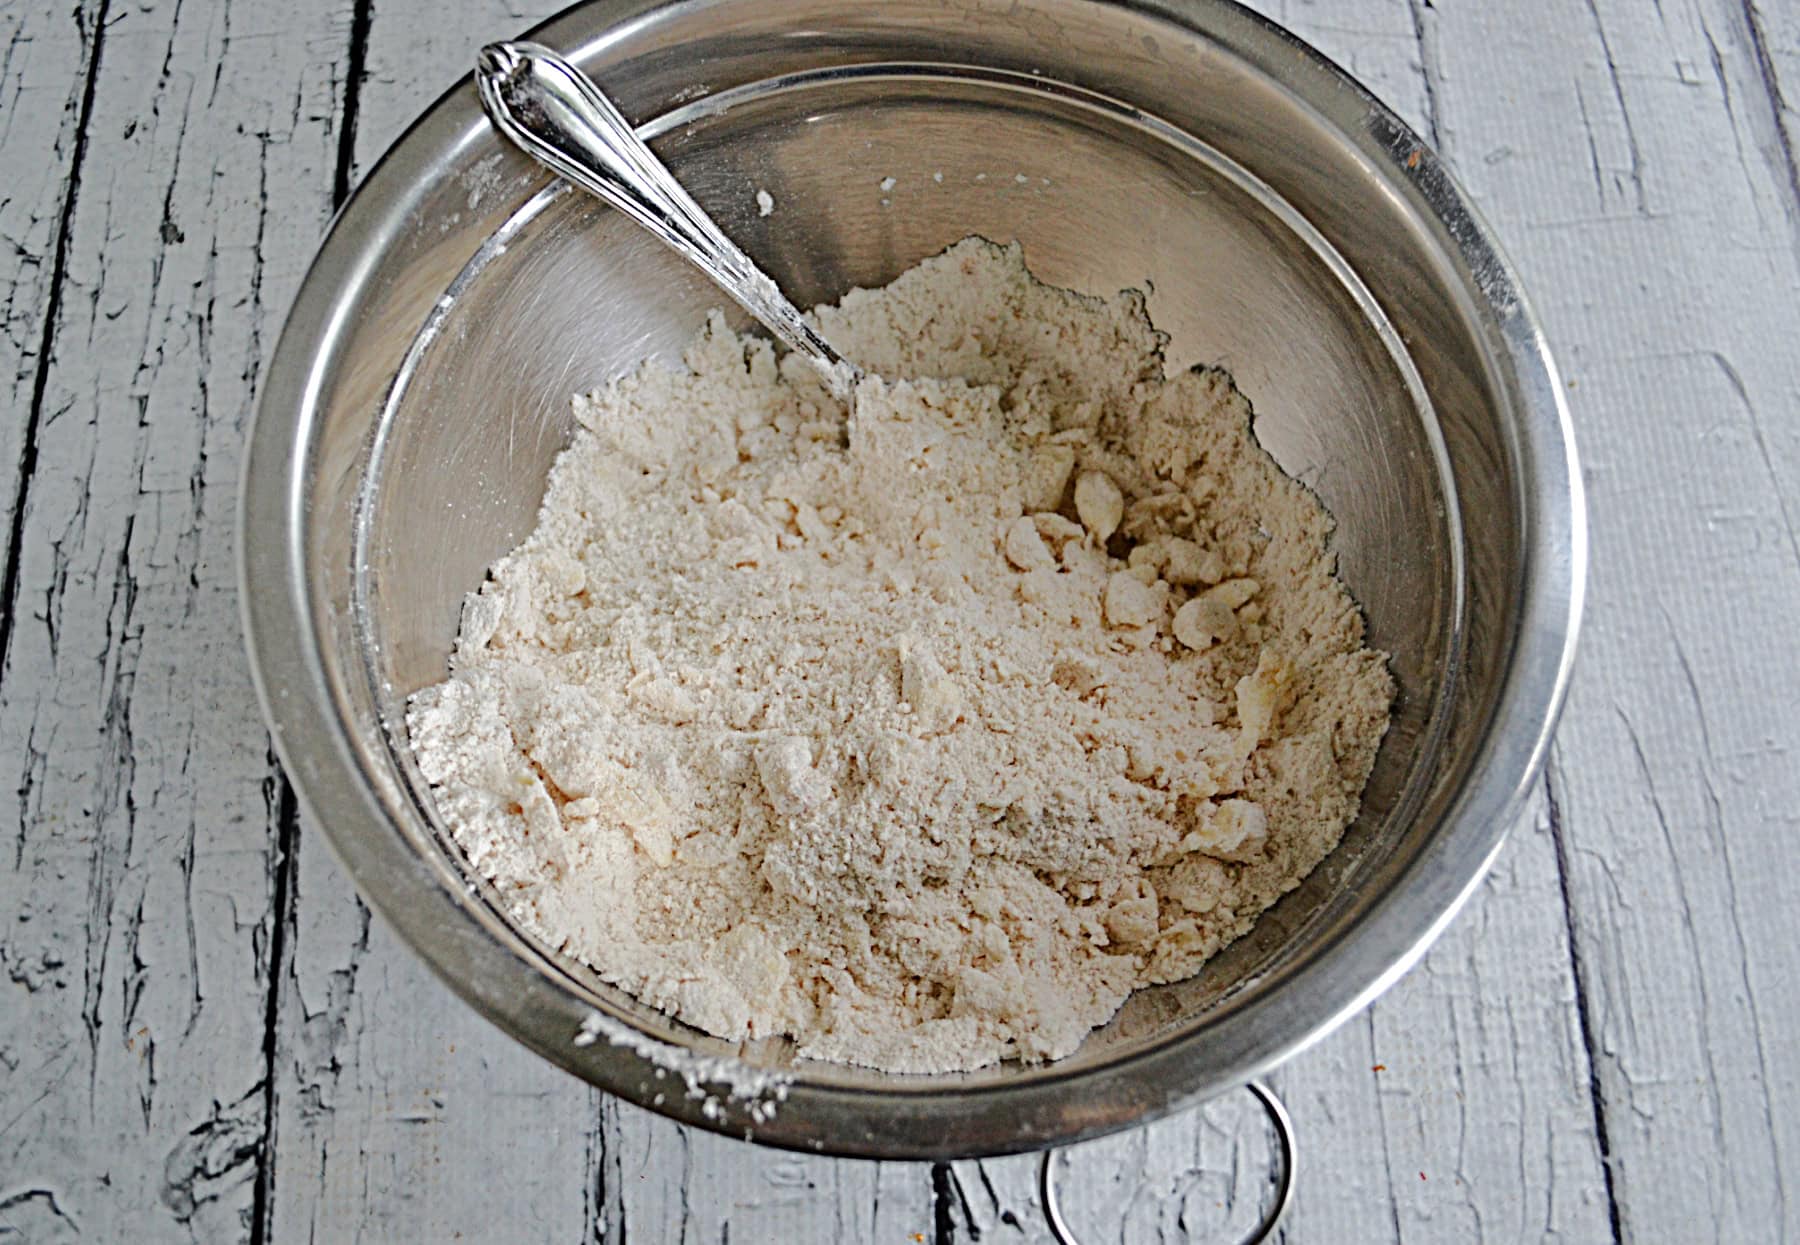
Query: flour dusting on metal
point(759, 1090)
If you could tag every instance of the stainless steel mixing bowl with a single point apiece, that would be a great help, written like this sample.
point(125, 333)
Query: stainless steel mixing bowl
point(1287, 226)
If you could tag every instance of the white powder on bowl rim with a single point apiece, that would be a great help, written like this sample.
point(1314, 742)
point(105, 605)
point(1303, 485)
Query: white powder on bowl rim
point(760, 1090)
point(921, 733)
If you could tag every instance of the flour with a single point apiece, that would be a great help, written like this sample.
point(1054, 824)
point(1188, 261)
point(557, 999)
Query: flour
point(924, 733)
point(760, 1090)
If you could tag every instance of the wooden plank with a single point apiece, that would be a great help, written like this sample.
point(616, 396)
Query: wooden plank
point(1482, 1103)
point(136, 911)
point(1480, 1120)
point(1457, 1107)
point(1480, 1082)
point(1203, 1175)
point(680, 1185)
point(1634, 163)
point(630, 1167)
point(400, 1113)
point(45, 72)
point(1773, 34)
point(667, 1182)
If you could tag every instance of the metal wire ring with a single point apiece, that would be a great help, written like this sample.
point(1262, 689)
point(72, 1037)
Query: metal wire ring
point(1284, 1191)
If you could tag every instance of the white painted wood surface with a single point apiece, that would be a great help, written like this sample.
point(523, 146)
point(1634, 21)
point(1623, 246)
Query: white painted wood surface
point(204, 1036)
point(135, 910)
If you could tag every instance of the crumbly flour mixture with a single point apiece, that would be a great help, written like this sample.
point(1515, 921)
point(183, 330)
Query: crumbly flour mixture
point(922, 733)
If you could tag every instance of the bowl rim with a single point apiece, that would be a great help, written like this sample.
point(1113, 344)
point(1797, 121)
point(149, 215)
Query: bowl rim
point(532, 999)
